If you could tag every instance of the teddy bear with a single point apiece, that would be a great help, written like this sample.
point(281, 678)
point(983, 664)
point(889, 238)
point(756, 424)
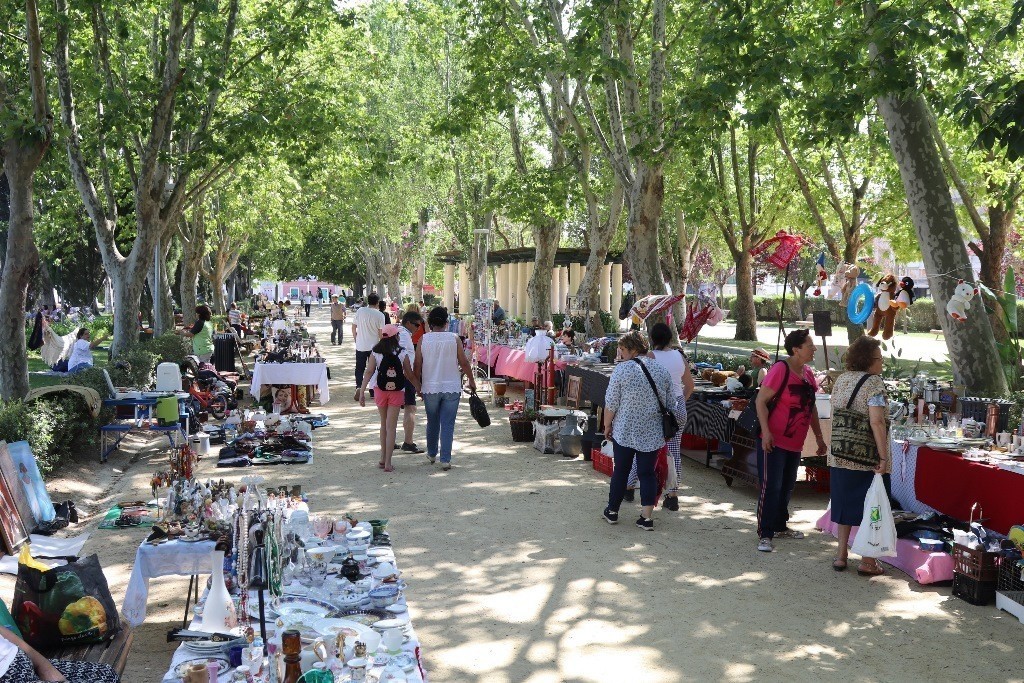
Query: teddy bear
point(960, 301)
point(844, 281)
point(884, 314)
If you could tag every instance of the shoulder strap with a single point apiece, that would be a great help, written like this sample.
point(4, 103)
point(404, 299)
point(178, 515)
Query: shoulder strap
point(857, 389)
point(650, 380)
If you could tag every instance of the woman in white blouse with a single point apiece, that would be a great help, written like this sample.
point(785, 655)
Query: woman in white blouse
point(632, 420)
point(439, 360)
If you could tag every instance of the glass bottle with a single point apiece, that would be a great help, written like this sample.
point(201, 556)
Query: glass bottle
point(291, 645)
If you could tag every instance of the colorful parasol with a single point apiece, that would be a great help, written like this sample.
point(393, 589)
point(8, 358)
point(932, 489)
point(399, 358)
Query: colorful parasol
point(781, 249)
point(651, 304)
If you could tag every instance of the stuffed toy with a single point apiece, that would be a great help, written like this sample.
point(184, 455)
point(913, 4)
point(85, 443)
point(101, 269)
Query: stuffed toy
point(884, 315)
point(960, 301)
point(904, 293)
point(821, 275)
point(844, 281)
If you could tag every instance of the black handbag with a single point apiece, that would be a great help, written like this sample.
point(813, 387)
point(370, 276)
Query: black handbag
point(852, 438)
point(669, 423)
point(478, 410)
point(748, 419)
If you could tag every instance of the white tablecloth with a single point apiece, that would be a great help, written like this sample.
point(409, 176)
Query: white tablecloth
point(301, 374)
point(174, 558)
point(904, 468)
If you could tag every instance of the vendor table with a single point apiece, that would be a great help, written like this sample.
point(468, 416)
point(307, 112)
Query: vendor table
point(509, 362)
point(411, 646)
point(299, 374)
point(593, 381)
point(112, 434)
point(921, 565)
point(904, 472)
point(952, 485)
point(173, 558)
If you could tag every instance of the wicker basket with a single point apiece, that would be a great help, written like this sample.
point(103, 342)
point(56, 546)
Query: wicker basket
point(522, 430)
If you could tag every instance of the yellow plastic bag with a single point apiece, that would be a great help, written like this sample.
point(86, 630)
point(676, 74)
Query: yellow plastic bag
point(25, 558)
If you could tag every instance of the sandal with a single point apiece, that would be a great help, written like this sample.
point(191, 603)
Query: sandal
point(839, 565)
point(877, 571)
point(381, 464)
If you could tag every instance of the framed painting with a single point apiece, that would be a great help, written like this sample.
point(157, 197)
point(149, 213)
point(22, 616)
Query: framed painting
point(12, 528)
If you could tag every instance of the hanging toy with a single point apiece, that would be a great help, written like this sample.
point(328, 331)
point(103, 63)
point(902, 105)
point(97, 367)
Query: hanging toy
point(904, 293)
point(845, 281)
point(884, 316)
point(822, 274)
point(960, 301)
point(859, 307)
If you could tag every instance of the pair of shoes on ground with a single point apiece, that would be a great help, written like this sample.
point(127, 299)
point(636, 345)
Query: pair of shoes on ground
point(612, 517)
point(408, 448)
point(765, 545)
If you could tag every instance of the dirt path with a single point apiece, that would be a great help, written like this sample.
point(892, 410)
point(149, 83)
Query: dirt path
point(514, 577)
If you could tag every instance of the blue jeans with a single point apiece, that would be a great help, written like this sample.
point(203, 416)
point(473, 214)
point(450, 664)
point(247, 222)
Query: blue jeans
point(441, 410)
point(79, 367)
point(620, 475)
point(776, 472)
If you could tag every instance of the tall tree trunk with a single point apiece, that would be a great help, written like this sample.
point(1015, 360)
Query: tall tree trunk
point(161, 294)
point(20, 264)
point(126, 284)
point(853, 331)
point(546, 237)
point(991, 273)
point(420, 272)
point(646, 198)
point(972, 345)
point(744, 313)
point(45, 297)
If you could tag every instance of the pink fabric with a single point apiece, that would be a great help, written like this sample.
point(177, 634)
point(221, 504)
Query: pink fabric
point(509, 362)
point(923, 567)
point(790, 419)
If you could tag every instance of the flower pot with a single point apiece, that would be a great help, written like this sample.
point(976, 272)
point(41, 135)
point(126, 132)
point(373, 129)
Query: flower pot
point(522, 430)
point(500, 388)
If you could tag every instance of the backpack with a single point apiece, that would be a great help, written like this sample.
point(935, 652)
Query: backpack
point(390, 373)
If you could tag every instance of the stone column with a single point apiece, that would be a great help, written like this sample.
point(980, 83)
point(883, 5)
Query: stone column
point(523, 304)
point(563, 287)
point(513, 289)
point(574, 278)
point(464, 302)
point(616, 289)
point(449, 286)
point(555, 291)
point(526, 300)
point(605, 289)
point(502, 294)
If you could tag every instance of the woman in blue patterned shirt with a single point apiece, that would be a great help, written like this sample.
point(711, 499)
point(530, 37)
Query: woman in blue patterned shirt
point(632, 420)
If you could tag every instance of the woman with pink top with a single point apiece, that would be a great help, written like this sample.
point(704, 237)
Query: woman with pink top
point(790, 387)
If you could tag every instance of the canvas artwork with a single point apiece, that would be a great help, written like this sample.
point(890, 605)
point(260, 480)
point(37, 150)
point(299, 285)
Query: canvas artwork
point(12, 528)
point(19, 465)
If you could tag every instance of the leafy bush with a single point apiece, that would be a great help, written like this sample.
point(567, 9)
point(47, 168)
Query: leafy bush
point(729, 361)
point(20, 421)
point(133, 367)
point(170, 348)
point(920, 317)
point(102, 325)
point(608, 321)
point(93, 378)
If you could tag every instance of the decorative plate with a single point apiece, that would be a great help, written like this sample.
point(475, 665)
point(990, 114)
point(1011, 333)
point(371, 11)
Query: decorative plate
point(353, 631)
point(287, 606)
point(366, 617)
point(205, 647)
point(222, 665)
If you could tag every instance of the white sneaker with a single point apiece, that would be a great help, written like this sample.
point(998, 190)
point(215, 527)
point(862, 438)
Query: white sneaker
point(765, 545)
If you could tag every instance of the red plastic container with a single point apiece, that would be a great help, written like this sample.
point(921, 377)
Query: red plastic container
point(602, 462)
point(690, 442)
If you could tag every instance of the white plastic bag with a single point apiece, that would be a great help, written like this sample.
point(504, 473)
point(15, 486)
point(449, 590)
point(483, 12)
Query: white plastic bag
point(876, 536)
point(608, 448)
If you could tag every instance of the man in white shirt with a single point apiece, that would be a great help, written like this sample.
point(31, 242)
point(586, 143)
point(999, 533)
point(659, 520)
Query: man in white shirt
point(307, 302)
point(411, 321)
point(366, 331)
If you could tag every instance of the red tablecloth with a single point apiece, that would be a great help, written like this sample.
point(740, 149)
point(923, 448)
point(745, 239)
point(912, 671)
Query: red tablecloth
point(509, 362)
point(951, 485)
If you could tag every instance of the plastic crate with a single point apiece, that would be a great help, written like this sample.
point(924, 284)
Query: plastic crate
point(820, 478)
point(976, 564)
point(691, 442)
point(522, 430)
point(973, 591)
point(1011, 574)
point(977, 409)
point(602, 463)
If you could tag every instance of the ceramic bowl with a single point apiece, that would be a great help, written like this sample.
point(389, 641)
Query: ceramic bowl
point(932, 545)
point(383, 596)
point(378, 525)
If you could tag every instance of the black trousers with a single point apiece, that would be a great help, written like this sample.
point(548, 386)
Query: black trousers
point(307, 307)
point(361, 358)
point(337, 330)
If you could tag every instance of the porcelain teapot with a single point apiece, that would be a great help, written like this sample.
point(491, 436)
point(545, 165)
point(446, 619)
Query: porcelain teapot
point(350, 569)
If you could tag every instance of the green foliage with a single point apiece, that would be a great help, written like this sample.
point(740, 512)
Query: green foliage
point(729, 361)
point(100, 326)
point(20, 421)
point(169, 348)
point(608, 322)
point(56, 427)
point(134, 367)
point(920, 317)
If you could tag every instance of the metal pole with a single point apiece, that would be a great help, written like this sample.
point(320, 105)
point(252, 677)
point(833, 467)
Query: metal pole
point(157, 322)
point(782, 308)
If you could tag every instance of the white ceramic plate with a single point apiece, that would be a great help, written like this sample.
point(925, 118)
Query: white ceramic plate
point(222, 665)
point(331, 627)
point(287, 606)
point(205, 647)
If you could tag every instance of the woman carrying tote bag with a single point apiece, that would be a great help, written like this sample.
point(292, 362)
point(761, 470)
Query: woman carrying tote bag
point(860, 443)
